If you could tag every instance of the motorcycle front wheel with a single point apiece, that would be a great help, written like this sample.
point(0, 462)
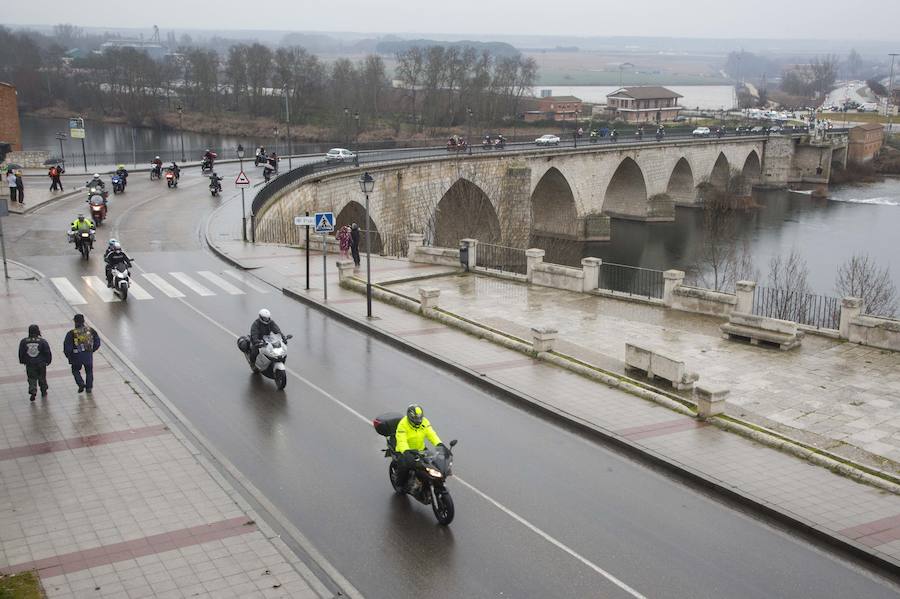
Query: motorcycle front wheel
point(85, 250)
point(280, 379)
point(124, 293)
point(443, 507)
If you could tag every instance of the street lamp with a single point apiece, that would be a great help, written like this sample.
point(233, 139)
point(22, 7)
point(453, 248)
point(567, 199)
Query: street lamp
point(622, 66)
point(469, 114)
point(240, 155)
point(356, 128)
point(366, 185)
point(287, 121)
point(346, 126)
point(180, 110)
point(62, 156)
point(891, 96)
point(575, 128)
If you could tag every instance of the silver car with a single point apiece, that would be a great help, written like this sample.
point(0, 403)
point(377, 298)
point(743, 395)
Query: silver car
point(547, 140)
point(340, 155)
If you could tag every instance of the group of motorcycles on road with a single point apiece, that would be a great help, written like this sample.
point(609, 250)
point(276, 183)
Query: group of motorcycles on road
point(173, 172)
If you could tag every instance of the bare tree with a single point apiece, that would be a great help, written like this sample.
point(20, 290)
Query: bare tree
point(789, 286)
point(860, 277)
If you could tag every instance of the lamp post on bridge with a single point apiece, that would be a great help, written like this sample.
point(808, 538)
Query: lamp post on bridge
point(469, 115)
point(60, 136)
point(366, 185)
point(180, 108)
point(240, 155)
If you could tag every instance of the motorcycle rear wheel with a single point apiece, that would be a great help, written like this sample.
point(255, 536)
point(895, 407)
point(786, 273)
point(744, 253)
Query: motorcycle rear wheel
point(280, 379)
point(443, 509)
point(392, 475)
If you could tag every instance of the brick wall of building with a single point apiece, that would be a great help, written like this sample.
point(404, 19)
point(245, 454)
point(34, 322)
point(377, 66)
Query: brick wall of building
point(10, 132)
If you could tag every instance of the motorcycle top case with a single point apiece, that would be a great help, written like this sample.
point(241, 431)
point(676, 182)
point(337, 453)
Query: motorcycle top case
point(243, 343)
point(385, 424)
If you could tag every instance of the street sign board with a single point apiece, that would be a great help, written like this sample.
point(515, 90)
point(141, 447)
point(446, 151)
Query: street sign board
point(324, 222)
point(242, 180)
point(76, 128)
point(305, 221)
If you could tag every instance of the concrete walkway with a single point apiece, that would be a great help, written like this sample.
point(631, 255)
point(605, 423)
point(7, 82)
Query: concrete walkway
point(37, 191)
point(104, 497)
point(857, 517)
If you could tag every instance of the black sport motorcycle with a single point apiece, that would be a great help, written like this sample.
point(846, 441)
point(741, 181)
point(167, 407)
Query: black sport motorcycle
point(427, 480)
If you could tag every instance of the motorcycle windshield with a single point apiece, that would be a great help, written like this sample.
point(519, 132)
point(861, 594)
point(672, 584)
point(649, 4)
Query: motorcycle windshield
point(96, 200)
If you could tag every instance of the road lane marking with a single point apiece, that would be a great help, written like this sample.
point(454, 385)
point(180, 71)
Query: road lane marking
point(163, 285)
point(68, 291)
point(191, 284)
point(99, 287)
point(245, 280)
point(220, 282)
point(138, 292)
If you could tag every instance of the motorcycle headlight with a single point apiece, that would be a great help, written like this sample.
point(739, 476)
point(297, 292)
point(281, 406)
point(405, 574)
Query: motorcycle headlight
point(434, 472)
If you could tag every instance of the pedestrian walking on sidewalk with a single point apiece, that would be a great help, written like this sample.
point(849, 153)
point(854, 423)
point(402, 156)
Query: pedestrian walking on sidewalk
point(79, 346)
point(354, 243)
point(56, 183)
point(34, 353)
point(13, 186)
point(343, 236)
point(20, 186)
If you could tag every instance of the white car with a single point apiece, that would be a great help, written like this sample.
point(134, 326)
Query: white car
point(339, 155)
point(547, 140)
point(701, 132)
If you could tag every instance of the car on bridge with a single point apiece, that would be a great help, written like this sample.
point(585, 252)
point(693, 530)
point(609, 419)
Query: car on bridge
point(701, 132)
point(339, 155)
point(547, 140)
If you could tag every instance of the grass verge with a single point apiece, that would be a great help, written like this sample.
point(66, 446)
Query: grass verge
point(25, 585)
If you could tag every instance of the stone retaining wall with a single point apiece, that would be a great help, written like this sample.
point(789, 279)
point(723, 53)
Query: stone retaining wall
point(703, 301)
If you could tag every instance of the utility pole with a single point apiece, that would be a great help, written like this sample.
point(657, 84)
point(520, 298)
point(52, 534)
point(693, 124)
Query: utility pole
point(891, 96)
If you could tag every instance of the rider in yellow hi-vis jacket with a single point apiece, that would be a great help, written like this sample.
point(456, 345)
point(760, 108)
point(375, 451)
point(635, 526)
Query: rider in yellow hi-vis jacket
point(412, 430)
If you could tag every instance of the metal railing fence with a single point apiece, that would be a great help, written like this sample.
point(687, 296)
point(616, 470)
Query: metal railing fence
point(635, 281)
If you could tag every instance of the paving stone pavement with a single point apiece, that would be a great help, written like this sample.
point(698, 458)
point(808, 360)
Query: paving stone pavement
point(858, 514)
point(103, 499)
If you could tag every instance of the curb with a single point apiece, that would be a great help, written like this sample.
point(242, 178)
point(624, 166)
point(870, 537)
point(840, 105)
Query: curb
point(53, 200)
point(568, 421)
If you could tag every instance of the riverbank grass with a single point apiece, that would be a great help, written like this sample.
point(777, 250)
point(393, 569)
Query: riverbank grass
point(24, 585)
point(857, 117)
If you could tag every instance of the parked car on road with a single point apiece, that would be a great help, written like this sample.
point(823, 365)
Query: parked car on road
point(547, 140)
point(775, 130)
point(742, 130)
point(340, 155)
point(701, 132)
point(758, 130)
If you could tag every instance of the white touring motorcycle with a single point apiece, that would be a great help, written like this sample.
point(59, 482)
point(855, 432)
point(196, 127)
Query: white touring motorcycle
point(121, 280)
point(270, 359)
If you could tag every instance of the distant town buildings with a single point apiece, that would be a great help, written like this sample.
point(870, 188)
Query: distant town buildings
point(865, 142)
point(642, 104)
point(555, 108)
point(10, 131)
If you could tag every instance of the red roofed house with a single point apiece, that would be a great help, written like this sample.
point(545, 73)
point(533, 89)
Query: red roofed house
point(643, 104)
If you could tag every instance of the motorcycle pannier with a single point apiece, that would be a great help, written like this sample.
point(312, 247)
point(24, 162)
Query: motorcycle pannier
point(243, 343)
point(385, 424)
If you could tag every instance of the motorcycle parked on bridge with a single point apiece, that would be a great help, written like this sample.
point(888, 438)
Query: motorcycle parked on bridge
point(97, 204)
point(171, 179)
point(118, 184)
point(121, 281)
point(270, 359)
point(427, 482)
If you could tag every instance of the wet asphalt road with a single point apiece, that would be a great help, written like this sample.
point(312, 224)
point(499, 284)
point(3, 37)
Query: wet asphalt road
point(541, 512)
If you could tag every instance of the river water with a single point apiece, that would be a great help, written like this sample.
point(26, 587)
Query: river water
point(855, 218)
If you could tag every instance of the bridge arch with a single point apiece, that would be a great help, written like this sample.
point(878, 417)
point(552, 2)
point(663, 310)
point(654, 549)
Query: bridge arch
point(354, 212)
point(465, 210)
point(751, 173)
point(681, 186)
point(626, 193)
point(721, 172)
point(553, 208)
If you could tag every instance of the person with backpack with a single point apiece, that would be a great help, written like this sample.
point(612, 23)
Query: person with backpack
point(79, 346)
point(35, 355)
point(55, 182)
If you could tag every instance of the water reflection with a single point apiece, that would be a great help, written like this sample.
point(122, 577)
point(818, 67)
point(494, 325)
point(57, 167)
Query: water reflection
point(856, 218)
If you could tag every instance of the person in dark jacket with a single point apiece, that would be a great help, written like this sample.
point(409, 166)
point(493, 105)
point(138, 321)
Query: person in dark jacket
point(262, 326)
point(20, 186)
point(79, 346)
point(354, 243)
point(34, 353)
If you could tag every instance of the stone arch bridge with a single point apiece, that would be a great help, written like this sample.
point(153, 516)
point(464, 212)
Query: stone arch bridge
point(510, 197)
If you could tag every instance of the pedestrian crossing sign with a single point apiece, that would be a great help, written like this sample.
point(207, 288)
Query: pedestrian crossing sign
point(324, 222)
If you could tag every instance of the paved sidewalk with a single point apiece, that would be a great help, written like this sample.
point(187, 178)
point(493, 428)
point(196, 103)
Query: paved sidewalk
point(103, 499)
point(861, 517)
point(37, 191)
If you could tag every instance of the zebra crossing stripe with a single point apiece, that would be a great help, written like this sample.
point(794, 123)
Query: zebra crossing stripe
point(99, 287)
point(138, 292)
point(245, 280)
point(191, 284)
point(68, 291)
point(220, 282)
point(163, 285)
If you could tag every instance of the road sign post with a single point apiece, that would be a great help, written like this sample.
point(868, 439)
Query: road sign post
point(76, 131)
point(4, 210)
point(306, 221)
point(242, 181)
point(324, 225)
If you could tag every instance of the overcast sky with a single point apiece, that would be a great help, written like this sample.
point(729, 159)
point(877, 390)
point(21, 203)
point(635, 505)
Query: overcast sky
point(820, 19)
